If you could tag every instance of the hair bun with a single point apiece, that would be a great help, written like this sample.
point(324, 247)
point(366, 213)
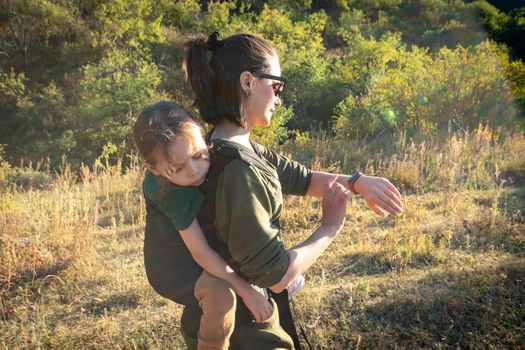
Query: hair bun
point(213, 41)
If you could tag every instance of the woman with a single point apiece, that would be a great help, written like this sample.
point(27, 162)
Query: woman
point(237, 82)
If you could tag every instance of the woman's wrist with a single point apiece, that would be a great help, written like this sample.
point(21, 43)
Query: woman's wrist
point(352, 180)
point(239, 285)
point(358, 184)
point(243, 291)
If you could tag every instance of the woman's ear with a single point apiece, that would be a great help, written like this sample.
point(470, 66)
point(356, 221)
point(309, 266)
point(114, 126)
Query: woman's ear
point(246, 81)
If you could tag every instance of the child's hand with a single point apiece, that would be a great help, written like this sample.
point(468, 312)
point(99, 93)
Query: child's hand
point(334, 205)
point(260, 308)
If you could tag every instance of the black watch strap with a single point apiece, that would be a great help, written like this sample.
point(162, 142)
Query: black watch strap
point(352, 179)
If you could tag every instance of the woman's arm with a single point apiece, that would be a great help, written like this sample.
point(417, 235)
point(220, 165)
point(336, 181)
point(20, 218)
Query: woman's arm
point(303, 255)
point(215, 265)
point(380, 195)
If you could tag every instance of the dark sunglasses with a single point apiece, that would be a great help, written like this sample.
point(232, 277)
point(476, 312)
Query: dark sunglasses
point(277, 87)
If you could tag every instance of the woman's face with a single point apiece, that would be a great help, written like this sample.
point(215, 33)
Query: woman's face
point(262, 102)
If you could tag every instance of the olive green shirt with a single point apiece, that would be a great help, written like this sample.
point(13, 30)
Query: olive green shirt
point(249, 202)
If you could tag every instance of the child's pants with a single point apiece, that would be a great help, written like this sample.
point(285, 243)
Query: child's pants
point(217, 301)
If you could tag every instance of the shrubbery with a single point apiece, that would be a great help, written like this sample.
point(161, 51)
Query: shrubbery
point(77, 78)
point(425, 92)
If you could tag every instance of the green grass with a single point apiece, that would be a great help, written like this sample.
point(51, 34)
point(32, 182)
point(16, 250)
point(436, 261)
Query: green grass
point(448, 274)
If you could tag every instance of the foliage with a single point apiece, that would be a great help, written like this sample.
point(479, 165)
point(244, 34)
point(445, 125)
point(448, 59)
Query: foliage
point(507, 28)
point(128, 23)
point(182, 14)
point(40, 38)
point(74, 74)
point(415, 91)
point(111, 95)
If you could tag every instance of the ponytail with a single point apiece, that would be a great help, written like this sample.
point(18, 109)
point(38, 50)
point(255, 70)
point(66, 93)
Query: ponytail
point(201, 75)
point(213, 68)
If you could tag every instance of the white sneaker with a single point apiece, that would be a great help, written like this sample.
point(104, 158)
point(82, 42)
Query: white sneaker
point(295, 286)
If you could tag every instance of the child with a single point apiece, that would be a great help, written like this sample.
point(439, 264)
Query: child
point(176, 157)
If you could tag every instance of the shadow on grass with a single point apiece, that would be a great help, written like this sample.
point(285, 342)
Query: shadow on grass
point(485, 234)
point(512, 202)
point(115, 219)
point(479, 309)
point(27, 276)
point(360, 264)
point(130, 233)
point(27, 284)
point(111, 304)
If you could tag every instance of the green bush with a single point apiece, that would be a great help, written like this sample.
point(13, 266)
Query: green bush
point(461, 88)
point(111, 94)
point(74, 74)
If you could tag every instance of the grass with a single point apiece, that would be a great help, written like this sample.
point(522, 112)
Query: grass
point(449, 273)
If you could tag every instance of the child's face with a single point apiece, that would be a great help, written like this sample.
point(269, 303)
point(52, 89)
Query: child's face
point(188, 163)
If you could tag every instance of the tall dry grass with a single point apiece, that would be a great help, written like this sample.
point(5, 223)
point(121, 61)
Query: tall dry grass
point(478, 159)
point(448, 273)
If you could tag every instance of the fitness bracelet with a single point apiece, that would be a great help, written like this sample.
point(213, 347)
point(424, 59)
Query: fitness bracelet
point(352, 179)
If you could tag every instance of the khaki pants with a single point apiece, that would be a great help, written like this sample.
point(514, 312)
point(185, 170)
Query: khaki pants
point(217, 301)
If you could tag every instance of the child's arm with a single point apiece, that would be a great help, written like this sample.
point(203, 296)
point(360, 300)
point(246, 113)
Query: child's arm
point(215, 265)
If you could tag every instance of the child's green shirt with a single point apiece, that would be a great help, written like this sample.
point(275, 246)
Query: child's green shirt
point(180, 204)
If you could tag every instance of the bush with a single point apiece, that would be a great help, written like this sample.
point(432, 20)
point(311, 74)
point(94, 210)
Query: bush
point(111, 94)
point(459, 88)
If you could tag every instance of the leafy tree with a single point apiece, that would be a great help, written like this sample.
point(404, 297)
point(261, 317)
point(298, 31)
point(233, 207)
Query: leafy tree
point(217, 16)
point(40, 37)
point(111, 94)
point(183, 14)
point(12, 90)
point(74, 74)
point(127, 23)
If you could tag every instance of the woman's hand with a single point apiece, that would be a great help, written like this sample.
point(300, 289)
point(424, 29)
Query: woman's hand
point(260, 308)
point(334, 205)
point(380, 195)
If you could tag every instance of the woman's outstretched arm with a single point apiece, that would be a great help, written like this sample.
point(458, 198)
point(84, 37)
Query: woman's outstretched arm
point(380, 195)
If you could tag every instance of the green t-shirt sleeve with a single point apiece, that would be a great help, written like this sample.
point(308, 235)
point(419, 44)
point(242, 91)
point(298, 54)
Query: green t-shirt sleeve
point(293, 176)
point(243, 207)
point(180, 204)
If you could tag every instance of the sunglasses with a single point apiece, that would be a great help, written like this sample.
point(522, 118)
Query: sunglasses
point(277, 87)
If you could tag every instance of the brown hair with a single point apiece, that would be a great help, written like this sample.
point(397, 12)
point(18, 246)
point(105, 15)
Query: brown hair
point(215, 79)
point(160, 124)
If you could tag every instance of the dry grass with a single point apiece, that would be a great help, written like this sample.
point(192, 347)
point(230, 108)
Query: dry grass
point(447, 274)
